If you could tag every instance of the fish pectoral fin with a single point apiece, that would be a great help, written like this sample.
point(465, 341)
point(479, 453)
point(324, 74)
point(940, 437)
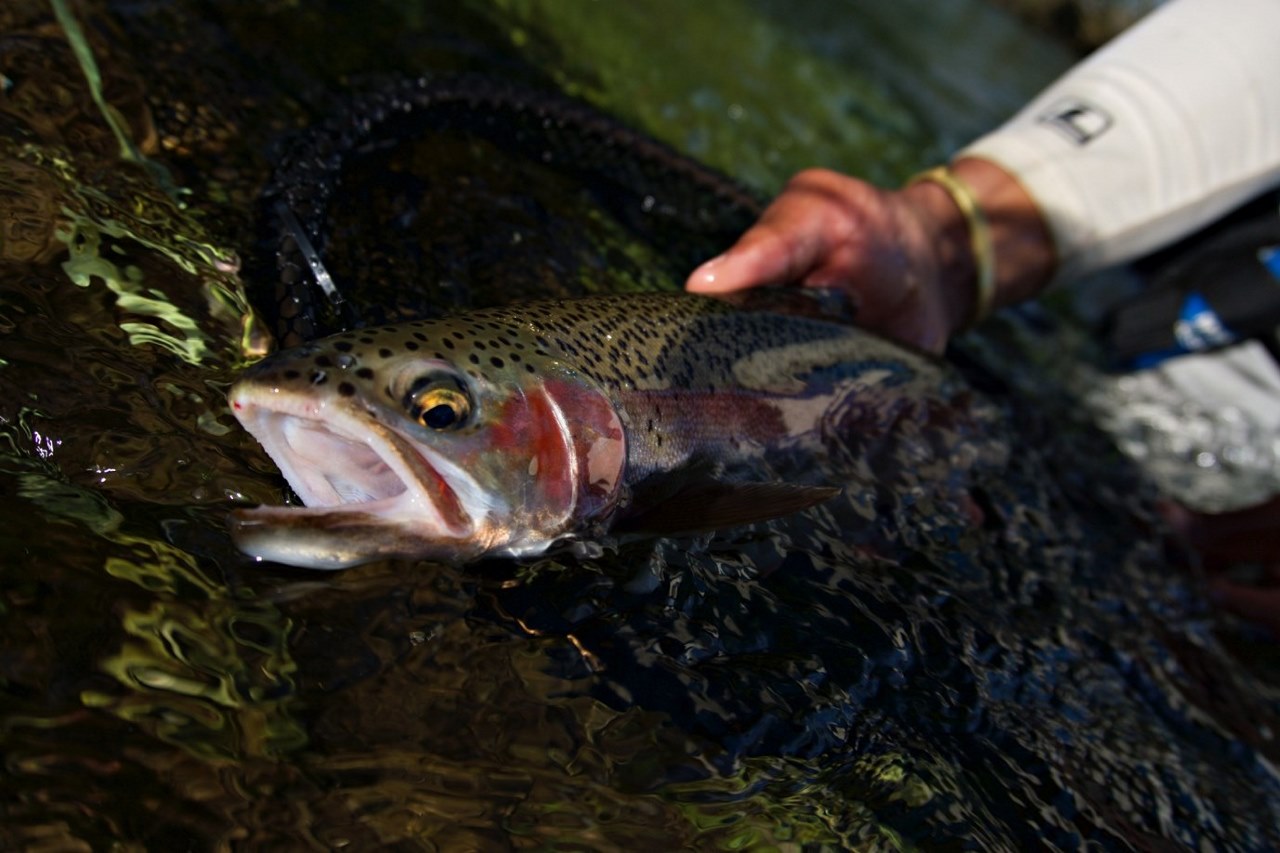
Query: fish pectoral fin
point(715, 506)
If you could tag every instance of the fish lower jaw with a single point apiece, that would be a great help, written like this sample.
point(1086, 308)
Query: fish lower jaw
point(338, 537)
point(333, 538)
point(394, 504)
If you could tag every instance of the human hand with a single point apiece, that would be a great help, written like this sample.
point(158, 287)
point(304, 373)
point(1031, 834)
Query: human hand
point(829, 230)
point(903, 255)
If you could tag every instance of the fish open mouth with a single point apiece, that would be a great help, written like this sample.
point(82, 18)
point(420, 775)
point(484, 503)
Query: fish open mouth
point(346, 463)
point(328, 469)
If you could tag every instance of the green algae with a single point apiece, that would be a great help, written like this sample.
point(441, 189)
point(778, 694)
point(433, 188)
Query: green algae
point(129, 151)
point(761, 105)
point(763, 89)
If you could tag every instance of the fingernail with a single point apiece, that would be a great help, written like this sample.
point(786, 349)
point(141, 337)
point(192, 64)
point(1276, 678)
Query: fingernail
point(705, 275)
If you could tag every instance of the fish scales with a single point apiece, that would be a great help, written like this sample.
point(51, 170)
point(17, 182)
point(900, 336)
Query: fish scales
point(505, 430)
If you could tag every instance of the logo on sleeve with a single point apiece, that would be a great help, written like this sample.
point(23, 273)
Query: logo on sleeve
point(1082, 122)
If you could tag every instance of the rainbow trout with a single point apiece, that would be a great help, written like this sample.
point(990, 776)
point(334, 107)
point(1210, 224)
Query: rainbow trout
point(506, 430)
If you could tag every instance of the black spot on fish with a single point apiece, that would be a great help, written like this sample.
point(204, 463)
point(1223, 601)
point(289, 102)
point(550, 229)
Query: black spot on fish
point(366, 340)
point(514, 357)
point(384, 352)
point(346, 389)
point(448, 344)
point(530, 368)
point(323, 361)
point(291, 374)
point(341, 346)
point(473, 358)
point(365, 373)
point(479, 345)
point(496, 362)
point(412, 346)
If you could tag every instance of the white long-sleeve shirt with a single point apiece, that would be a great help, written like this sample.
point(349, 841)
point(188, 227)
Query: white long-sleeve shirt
point(1166, 128)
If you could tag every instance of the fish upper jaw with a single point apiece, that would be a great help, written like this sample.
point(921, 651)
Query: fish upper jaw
point(359, 479)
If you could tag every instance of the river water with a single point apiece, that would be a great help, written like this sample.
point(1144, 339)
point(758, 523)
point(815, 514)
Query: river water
point(1031, 667)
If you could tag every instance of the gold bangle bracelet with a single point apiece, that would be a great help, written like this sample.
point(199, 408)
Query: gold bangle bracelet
point(980, 242)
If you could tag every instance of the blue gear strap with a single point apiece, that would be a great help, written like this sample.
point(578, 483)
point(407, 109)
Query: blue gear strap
point(1270, 258)
point(1199, 327)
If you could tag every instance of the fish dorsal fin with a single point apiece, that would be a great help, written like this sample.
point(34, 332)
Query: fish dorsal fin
point(714, 506)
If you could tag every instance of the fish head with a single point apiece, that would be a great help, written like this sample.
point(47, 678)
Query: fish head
point(432, 439)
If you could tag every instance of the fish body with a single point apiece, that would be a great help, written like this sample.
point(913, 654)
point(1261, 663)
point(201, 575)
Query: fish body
point(505, 430)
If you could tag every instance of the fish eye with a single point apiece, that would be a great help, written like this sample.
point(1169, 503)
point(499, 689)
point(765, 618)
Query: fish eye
point(438, 403)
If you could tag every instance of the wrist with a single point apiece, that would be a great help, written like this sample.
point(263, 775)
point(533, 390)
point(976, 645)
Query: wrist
point(1024, 249)
point(945, 238)
point(990, 243)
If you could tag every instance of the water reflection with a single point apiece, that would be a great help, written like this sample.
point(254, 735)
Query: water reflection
point(985, 643)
